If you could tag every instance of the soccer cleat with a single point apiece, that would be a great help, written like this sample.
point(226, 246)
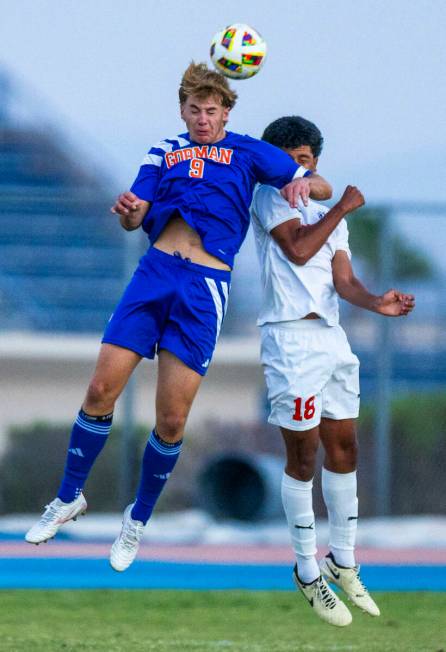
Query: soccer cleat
point(55, 515)
point(325, 603)
point(125, 547)
point(349, 581)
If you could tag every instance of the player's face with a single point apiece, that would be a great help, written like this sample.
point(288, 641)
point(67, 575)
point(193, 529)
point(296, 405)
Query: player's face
point(303, 155)
point(205, 119)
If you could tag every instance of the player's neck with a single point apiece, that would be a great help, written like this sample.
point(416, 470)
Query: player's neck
point(218, 139)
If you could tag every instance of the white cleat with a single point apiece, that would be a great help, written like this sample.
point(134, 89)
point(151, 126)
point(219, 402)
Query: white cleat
point(125, 547)
point(325, 603)
point(55, 515)
point(349, 581)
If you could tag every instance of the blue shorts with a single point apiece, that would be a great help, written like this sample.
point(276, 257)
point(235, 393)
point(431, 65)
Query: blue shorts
point(173, 304)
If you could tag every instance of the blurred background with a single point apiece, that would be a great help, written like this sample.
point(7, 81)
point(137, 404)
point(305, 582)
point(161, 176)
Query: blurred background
point(85, 89)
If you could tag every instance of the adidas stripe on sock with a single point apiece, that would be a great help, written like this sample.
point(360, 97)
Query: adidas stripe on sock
point(88, 438)
point(158, 463)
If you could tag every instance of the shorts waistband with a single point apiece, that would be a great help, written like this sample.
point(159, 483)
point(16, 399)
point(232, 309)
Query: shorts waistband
point(177, 261)
point(300, 325)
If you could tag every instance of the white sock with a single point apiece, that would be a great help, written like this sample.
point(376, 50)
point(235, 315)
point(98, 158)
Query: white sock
point(339, 491)
point(297, 499)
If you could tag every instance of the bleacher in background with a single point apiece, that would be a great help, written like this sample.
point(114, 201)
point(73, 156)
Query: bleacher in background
point(61, 253)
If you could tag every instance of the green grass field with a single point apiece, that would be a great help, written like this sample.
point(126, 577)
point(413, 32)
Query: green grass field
point(232, 621)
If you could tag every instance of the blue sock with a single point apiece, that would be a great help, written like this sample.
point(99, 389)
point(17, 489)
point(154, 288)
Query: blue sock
point(158, 463)
point(88, 438)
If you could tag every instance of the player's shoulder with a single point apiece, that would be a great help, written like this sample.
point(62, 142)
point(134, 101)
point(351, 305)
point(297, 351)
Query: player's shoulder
point(171, 143)
point(246, 141)
point(243, 138)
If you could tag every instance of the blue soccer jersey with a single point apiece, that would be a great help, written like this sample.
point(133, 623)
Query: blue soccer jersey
point(210, 186)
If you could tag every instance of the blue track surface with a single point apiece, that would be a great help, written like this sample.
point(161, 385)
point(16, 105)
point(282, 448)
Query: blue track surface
point(96, 573)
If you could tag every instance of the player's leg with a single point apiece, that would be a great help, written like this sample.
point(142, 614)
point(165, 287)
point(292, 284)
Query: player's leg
point(186, 346)
point(294, 380)
point(93, 424)
point(339, 484)
point(131, 333)
point(340, 496)
point(176, 389)
point(295, 373)
point(88, 437)
point(297, 497)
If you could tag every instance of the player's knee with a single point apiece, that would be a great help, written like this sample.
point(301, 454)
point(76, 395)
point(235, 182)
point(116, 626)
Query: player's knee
point(170, 426)
point(349, 451)
point(100, 393)
point(343, 455)
point(302, 467)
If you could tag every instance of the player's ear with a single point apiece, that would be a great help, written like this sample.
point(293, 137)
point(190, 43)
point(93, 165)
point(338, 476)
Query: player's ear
point(226, 114)
point(182, 111)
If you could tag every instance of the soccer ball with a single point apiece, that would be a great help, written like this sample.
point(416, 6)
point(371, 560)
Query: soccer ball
point(238, 51)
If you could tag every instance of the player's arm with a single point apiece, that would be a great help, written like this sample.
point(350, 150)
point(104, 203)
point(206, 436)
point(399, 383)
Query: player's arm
point(131, 210)
point(300, 242)
point(320, 189)
point(275, 167)
point(313, 186)
point(392, 303)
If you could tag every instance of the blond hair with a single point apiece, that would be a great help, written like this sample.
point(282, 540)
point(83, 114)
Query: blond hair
point(200, 81)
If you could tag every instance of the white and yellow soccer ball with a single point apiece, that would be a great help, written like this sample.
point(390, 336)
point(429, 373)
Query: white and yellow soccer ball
point(238, 51)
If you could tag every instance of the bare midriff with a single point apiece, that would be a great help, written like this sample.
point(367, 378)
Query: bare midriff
point(311, 315)
point(178, 236)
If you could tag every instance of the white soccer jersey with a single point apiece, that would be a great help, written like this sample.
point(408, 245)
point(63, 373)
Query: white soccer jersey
point(293, 291)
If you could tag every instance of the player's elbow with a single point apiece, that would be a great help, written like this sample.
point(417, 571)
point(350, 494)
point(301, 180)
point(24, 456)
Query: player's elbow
point(298, 256)
point(321, 190)
point(128, 225)
point(295, 249)
point(328, 193)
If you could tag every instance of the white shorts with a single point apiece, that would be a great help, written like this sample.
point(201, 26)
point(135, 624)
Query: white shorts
point(310, 372)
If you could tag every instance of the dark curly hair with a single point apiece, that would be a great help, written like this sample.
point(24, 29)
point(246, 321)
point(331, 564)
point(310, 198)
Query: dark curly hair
point(293, 131)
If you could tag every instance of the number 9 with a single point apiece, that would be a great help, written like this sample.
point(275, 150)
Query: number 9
point(196, 168)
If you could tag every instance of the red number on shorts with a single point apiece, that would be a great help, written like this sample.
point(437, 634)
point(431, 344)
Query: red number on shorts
point(196, 168)
point(297, 416)
point(309, 409)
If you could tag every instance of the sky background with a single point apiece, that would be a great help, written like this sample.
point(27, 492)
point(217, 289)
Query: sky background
point(370, 74)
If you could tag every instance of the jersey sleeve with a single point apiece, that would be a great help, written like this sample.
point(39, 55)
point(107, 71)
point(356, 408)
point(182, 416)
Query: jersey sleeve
point(274, 167)
point(271, 209)
point(146, 182)
point(342, 238)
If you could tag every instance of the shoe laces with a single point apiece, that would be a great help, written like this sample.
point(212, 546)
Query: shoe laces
point(131, 534)
point(358, 580)
point(326, 596)
point(51, 512)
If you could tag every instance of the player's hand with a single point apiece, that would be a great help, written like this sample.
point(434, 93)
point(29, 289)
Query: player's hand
point(351, 199)
point(126, 203)
point(295, 189)
point(395, 304)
